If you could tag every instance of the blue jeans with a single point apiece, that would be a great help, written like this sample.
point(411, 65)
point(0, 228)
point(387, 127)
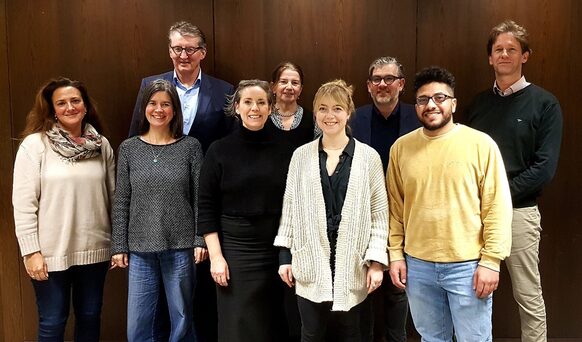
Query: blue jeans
point(84, 284)
point(441, 297)
point(170, 271)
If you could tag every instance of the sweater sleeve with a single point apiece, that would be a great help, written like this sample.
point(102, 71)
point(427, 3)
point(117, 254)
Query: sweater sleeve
point(496, 211)
point(377, 247)
point(548, 138)
point(109, 158)
point(284, 236)
point(195, 167)
point(121, 205)
point(26, 193)
point(396, 207)
point(209, 202)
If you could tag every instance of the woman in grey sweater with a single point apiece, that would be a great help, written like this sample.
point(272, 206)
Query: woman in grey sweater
point(154, 217)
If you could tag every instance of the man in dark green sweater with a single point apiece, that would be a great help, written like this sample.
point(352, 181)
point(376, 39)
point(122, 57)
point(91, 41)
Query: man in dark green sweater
point(526, 122)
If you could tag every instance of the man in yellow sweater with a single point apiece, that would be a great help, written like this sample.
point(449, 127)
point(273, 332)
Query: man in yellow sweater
point(450, 217)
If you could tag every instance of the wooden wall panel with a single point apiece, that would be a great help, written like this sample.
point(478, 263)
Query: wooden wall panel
point(11, 328)
point(329, 39)
point(459, 44)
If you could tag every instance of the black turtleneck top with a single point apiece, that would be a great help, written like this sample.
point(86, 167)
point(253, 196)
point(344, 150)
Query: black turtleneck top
point(243, 175)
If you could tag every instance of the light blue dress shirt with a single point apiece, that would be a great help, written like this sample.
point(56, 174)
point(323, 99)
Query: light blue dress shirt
point(189, 100)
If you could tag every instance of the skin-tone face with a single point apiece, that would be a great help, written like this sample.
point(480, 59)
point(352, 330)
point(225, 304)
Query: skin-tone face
point(507, 57)
point(184, 64)
point(436, 118)
point(69, 109)
point(384, 94)
point(288, 87)
point(331, 116)
point(253, 108)
point(159, 111)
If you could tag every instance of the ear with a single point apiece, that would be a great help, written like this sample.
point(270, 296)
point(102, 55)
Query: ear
point(203, 54)
point(490, 60)
point(454, 105)
point(524, 57)
point(369, 85)
point(402, 83)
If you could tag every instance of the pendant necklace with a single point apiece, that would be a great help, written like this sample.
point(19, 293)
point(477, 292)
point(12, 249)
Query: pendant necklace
point(159, 153)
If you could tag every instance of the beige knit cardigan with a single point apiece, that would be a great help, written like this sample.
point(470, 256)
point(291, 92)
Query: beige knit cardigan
point(362, 235)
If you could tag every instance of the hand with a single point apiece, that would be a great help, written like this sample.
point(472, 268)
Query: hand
point(485, 281)
point(398, 273)
point(200, 254)
point(374, 276)
point(286, 275)
point(119, 260)
point(36, 266)
point(219, 271)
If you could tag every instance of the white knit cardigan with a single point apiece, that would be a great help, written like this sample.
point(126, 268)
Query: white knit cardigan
point(362, 235)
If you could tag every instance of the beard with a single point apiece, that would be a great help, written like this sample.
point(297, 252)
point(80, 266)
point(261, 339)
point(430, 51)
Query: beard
point(436, 126)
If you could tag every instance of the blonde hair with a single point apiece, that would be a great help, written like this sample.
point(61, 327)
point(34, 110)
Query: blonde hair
point(339, 91)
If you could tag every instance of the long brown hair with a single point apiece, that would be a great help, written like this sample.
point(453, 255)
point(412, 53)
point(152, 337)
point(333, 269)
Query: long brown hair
point(41, 117)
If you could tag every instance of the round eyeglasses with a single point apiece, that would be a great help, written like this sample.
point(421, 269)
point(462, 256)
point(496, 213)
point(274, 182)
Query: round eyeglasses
point(189, 50)
point(437, 98)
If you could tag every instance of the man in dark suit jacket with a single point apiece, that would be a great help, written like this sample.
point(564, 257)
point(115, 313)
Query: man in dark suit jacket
point(379, 125)
point(203, 98)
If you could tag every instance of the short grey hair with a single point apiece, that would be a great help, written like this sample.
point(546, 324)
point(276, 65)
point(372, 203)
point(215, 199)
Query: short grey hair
point(386, 61)
point(185, 28)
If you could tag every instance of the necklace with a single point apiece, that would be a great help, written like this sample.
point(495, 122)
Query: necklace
point(277, 112)
point(158, 154)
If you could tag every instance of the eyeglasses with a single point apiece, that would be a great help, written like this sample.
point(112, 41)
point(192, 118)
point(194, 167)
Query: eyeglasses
point(376, 80)
point(437, 98)
point(189, 50)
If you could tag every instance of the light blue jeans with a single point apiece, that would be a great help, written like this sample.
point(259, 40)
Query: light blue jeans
point(442, 301)
point(170, 271)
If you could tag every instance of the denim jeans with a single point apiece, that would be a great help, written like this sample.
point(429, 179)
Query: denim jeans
point(442, 300)
point(84, 283)
point(170, 271)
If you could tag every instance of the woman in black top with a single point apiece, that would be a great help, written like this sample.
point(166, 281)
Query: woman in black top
point(288, 118)
point(241, 190)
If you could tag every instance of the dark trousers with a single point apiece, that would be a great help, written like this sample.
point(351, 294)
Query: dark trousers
point(385, 321)
point(53, 297)
point(319, 323)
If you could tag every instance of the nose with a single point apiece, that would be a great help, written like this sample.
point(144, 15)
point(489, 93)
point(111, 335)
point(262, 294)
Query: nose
point(505, 53)
point(183, 52)
point(70, 106)
point(431, 103)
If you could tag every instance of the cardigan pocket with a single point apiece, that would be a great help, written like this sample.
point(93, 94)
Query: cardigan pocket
point(303, 265)
point(357, 278)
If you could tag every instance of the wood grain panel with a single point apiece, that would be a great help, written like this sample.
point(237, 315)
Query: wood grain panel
point(11, 328)
point(329, 39)
point(453, 33)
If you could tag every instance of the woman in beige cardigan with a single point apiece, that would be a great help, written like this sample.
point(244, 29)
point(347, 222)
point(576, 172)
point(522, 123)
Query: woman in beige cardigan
point(334, 222)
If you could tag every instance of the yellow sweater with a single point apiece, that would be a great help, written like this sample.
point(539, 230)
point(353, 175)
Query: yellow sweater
point(449, 198)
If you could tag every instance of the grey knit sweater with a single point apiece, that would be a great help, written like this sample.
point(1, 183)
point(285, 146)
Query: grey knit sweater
point(155, 206)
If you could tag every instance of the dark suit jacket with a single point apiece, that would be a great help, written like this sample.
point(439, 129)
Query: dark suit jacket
point(361, 123)
point(210, 123)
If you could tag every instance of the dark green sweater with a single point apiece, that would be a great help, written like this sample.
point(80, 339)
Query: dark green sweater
point(527, 126)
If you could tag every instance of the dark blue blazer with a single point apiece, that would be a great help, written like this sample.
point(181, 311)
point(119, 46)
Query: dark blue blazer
point(361, 124)
point(210, 123)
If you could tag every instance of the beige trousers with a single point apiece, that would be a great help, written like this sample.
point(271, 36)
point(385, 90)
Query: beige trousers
point(522, 265)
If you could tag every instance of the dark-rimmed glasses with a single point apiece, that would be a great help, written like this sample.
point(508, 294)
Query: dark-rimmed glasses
point(189, 50)
point(437, 98)
point(376, 80)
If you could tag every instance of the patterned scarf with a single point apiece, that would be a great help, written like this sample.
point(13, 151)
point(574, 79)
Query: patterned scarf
point(74, 149)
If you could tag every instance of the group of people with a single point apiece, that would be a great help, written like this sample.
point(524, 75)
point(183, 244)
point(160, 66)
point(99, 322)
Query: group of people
point(242, 216)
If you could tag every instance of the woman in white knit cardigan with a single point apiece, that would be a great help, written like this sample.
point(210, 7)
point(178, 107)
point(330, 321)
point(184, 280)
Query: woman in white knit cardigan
point(334, 222)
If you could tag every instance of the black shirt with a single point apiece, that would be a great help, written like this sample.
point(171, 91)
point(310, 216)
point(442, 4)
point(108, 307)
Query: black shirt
point(384, 132)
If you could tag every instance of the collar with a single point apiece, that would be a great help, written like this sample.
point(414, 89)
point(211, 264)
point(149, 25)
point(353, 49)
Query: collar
point(394, 113)
point(514, 88)
point(179, 84)
point(349, 149)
